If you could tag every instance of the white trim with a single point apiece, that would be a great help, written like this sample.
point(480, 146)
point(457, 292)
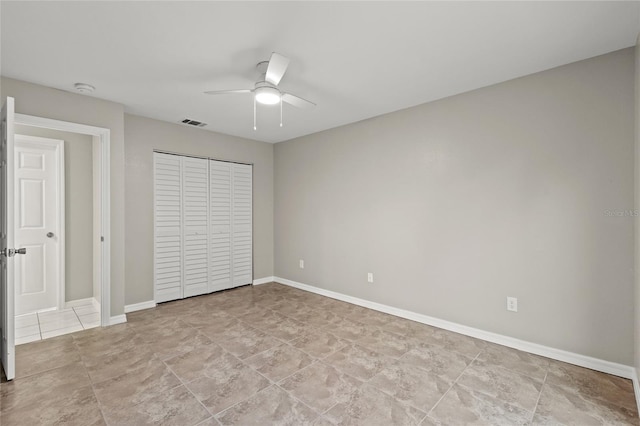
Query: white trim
point(636, 387)
point(105, 194)
point(89, 301)
point(264, 280)
point(57, 145)
point(118, 319)
point(139, 306)
point(616, 369)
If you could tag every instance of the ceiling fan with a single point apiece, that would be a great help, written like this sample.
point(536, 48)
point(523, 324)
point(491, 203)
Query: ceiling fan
point(266, 89)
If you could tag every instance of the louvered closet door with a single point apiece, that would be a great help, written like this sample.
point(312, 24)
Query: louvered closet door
point(220, 177)
point(242, 225)
point(168, 227)
point(195, 210)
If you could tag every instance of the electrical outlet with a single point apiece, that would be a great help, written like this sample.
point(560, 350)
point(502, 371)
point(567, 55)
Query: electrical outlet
point(512, 304)
point(301, 264)
point(370, 277)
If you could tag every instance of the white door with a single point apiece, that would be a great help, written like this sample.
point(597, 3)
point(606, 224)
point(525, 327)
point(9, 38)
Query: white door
point(39, 218)
point(168, 227)
point(220, 235)
point(195, 209)
point(242, 212)
point(6, 241)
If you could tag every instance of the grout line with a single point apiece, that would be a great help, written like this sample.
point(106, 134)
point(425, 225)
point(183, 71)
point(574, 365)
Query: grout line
point(187, 388)
point(533, 413)
point(78, 317)
point(451, 387)
point(39, 326)
point(93, 389)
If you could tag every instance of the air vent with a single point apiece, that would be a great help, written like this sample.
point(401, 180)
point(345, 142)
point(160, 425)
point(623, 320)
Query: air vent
point(191, 122)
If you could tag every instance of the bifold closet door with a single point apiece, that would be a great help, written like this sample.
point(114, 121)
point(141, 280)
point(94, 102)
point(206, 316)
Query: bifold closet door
point(242, 227)
point(202, 226)
point(167, 170)
point(231, 248)
point(195, 210)
point(220, 177)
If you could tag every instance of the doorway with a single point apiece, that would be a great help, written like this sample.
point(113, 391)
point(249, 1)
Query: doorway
point(55, 292)
point(79, 275)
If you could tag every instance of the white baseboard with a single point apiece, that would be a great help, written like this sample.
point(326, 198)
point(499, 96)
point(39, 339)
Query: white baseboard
point(82, 302)
point(616, 369)
point(264, 280)
point(118, 319)
point(636, 386)
point(139, 306)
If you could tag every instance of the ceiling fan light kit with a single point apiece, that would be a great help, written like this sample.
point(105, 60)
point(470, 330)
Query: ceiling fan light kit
point(267, 95)
point(266, 90)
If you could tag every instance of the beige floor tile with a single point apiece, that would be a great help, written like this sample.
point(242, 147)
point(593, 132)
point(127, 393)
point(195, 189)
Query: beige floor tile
point(559, 405)
point(170, 343)
point(249, 343)
point(134, 387)
point(461, 406)
point(447, 365)
point(36, 389)
point(226, 351)
point(33, 360)
point(176, 407)
point(118, 362)
point(505, 385)
point(78, 407)
point(358, 362)
point(271, 406)
point(282, 327)
point(196, 363)
point(319, 343)
point(411, 329)
point(279, 362)
point(593, 384)
point(411, 385)
point(347, 329)
point(449, 340)
point(371, 407)
point(390, 344)
point(321, 386)
point(228, 328)
point(515, 360)
point(231, 382)
point(317, 318)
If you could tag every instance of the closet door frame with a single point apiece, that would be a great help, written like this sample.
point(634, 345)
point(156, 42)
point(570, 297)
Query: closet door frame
point(158, 151)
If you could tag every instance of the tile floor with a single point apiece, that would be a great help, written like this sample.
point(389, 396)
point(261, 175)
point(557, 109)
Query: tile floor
point(38, 326)
point(271, 354)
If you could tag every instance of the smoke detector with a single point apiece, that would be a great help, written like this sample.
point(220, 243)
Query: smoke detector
point(84, 88)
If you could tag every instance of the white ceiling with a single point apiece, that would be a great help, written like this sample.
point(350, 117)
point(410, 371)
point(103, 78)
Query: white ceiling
point(354, 59)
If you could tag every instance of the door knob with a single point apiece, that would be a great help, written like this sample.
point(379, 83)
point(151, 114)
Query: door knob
point(7, 252)
point(49, 234)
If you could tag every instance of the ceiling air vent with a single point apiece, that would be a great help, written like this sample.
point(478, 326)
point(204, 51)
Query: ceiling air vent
point(191, 122)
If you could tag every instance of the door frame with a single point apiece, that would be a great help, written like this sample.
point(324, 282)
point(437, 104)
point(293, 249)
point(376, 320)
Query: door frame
point(60, 200)
point(102, 136)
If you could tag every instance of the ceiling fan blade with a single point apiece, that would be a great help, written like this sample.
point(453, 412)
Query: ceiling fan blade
point(277, 67)
point(228, 92)
point(297, 101)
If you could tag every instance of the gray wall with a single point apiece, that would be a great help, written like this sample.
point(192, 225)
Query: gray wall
point(78, 188)
point(143, 135)
point(41, 101)
point(456, 204)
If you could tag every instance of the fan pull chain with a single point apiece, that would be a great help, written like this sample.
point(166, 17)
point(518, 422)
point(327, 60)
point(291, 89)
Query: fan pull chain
point(280, 111)
point(254, 114)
